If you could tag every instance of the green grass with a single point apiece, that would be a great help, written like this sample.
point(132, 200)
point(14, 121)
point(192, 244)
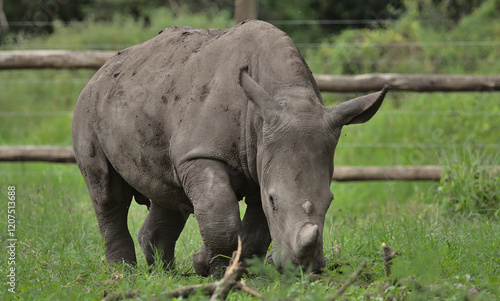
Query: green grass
point(469, 185)
point(444, 255)
point(60, 254)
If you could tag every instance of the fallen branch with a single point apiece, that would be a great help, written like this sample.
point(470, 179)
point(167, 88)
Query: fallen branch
point(209, 289)
point(349, 281)
point(231, 277)
point(186, 291)
point(116, 296)
point(217, 290)
point(388, 254)
point(241, 285)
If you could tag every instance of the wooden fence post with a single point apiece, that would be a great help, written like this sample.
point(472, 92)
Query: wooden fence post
point(244, 9)
point(4, 25)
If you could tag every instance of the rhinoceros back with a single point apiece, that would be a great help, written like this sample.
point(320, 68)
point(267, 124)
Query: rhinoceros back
point(176, 97)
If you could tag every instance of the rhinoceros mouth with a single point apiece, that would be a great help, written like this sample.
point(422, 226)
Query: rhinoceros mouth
point(314, 264)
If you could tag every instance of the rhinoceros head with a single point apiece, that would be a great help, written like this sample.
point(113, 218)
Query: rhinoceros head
point(295, 164)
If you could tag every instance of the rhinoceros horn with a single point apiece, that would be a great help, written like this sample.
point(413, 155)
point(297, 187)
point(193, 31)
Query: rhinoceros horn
point(307, 239)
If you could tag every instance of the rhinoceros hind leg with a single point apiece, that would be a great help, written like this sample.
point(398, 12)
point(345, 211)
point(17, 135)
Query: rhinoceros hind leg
point(256, 236)
point(160, 231)
point(111, 197)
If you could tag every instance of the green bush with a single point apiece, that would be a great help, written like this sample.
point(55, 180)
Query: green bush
point(411, 45)
point(470, 185)
point(121, 32)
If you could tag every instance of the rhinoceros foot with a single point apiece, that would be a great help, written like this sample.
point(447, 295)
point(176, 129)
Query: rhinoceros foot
point(204, 266)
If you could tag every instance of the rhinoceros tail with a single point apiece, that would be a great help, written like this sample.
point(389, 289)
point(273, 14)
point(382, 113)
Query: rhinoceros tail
point(141, 199)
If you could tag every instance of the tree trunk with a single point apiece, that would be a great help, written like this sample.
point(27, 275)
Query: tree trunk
point(4, 25)
point(244, 9)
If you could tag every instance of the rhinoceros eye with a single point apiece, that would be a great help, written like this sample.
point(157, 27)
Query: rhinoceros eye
point(271, 201)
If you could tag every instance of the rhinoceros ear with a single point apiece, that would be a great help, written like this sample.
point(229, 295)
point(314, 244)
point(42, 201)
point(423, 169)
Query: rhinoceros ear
point(357, 110)
point(256, 93)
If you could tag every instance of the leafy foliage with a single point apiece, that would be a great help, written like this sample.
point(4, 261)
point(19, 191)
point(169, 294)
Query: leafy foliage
point(446, 12)
point(33, 11)
point(412, 46)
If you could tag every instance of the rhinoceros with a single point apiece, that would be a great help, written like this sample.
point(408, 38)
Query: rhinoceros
point(195, 120)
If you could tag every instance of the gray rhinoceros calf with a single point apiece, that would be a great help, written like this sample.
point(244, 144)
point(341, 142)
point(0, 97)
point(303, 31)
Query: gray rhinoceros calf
point(194, 120)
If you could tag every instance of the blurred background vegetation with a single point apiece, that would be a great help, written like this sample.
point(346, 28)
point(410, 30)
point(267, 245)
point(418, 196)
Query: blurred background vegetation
point(26, 13)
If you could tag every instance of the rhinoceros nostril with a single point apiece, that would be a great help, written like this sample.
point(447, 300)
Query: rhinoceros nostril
point(270, 258)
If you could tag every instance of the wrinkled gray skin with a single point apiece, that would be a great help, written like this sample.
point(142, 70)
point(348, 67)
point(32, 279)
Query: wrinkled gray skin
point(194, 120)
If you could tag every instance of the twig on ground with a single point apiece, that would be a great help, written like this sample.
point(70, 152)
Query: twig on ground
point(388, 254)
point(217, 290)
point(231, 277)
point(185, 291)
point(243, 286)
point(349, 281)
point(116, 296)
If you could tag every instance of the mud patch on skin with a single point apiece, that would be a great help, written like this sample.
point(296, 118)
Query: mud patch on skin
point(92, 150)
point(157, 128)
point(153, 134)
point(117, 66)
point(197, 47)
point(298, 177)
point(186, 58)
point(145, 164)
point(205, 91)
point(164, 99)
point(171, 86)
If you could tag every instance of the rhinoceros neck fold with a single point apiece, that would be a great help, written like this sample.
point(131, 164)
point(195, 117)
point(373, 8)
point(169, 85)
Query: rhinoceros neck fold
point(249, 141)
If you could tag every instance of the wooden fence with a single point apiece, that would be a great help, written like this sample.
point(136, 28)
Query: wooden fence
point(342, 173)
point(65, 59)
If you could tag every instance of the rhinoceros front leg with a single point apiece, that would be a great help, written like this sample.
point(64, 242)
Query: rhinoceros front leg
point(160, 230)
point(256, 236)
point(207, 184)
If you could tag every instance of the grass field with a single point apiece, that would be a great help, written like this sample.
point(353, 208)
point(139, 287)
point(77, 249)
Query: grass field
point(449, 244)
point(59, 254)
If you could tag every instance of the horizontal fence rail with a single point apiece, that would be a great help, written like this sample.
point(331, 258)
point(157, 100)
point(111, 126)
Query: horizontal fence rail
point(54, 59)
point(407, 82)
point(342, 173)
point(69, 59)
point(51, 154)
point(387, 173)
